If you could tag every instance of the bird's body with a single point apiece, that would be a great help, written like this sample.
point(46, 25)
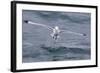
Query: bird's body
point(56, 32)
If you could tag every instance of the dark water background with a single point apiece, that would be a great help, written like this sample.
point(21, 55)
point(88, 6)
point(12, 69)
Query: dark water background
point(38, 45)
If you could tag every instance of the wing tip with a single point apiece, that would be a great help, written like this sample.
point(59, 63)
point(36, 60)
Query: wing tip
point(26, 21)
point(84, 34)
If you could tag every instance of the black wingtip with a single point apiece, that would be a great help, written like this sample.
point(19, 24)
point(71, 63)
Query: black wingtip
point(26, 21)
point(84, 34)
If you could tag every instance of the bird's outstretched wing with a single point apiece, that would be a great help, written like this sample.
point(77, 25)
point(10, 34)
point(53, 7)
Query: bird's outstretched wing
point(38, 24)
point(71, 32)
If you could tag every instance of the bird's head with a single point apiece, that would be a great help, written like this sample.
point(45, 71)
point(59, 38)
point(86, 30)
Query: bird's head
point(56, 27)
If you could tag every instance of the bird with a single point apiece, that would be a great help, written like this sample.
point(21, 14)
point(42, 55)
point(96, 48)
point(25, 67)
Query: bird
point(56, 31)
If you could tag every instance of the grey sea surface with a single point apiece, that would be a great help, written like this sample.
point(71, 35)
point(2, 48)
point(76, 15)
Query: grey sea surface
point(39, 46)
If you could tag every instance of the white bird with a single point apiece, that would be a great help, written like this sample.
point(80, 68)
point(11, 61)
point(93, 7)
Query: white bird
point(55, 31)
